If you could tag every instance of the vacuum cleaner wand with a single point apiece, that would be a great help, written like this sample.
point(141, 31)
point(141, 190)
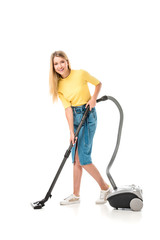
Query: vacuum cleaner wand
point(40, 204)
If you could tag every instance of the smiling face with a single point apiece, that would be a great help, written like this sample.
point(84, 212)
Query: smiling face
point(61, 66)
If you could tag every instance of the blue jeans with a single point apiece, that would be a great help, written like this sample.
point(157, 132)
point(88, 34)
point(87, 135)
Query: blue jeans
point(86, 134)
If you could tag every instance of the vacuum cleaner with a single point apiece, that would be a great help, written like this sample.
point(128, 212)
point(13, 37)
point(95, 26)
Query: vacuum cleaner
point(126, 197)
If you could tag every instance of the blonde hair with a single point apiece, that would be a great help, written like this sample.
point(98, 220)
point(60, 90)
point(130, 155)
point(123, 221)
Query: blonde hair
point(54, 76)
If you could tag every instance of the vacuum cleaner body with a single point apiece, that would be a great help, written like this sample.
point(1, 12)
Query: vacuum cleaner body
point(126, 197)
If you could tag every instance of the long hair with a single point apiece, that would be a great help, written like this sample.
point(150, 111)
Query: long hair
point(54, 77)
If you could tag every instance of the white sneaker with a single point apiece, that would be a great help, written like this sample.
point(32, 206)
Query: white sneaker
point(103, 196)
point(72, 199)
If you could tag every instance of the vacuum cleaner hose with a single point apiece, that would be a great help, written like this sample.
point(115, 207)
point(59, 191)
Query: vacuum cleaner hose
point(117, 143)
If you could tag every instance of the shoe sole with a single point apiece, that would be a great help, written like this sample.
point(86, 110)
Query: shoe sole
point(101, 202)
point(69, 203)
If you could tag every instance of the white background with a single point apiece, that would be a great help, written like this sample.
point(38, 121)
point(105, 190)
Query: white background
point(115, 41)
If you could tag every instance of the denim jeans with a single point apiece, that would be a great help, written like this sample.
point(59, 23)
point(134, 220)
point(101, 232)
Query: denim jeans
point(86, 134)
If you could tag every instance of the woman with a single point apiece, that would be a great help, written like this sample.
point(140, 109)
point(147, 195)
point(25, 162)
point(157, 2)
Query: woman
point(72, 89)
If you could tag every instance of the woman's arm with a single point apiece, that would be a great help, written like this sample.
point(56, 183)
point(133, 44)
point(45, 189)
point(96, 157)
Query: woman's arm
point(92, 101)
point(69, 116)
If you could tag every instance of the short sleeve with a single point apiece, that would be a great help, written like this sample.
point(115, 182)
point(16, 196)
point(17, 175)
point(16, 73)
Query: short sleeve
point(89, 78)
point(65, 102)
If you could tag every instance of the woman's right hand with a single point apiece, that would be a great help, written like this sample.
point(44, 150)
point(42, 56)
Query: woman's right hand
point(72, 138)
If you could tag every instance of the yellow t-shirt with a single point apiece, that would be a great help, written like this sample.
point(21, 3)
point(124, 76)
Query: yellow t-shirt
point(73, 90)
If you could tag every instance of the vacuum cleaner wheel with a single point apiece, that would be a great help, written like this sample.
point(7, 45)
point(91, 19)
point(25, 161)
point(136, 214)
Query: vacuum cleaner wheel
point(136, 204)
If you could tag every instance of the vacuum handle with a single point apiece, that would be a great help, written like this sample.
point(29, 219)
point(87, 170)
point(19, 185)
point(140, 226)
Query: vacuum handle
point(104, 98)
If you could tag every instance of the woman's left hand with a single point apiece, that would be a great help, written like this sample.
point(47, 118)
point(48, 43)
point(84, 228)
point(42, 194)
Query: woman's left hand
point(91, 103)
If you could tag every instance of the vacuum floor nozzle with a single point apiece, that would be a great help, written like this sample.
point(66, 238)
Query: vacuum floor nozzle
point(37, 205)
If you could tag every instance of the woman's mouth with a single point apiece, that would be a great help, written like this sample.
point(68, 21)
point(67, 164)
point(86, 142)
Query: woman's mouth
point(61, 70)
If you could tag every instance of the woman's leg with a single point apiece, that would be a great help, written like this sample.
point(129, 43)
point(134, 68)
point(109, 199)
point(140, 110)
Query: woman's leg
point(93, 171)
point(77, 174)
